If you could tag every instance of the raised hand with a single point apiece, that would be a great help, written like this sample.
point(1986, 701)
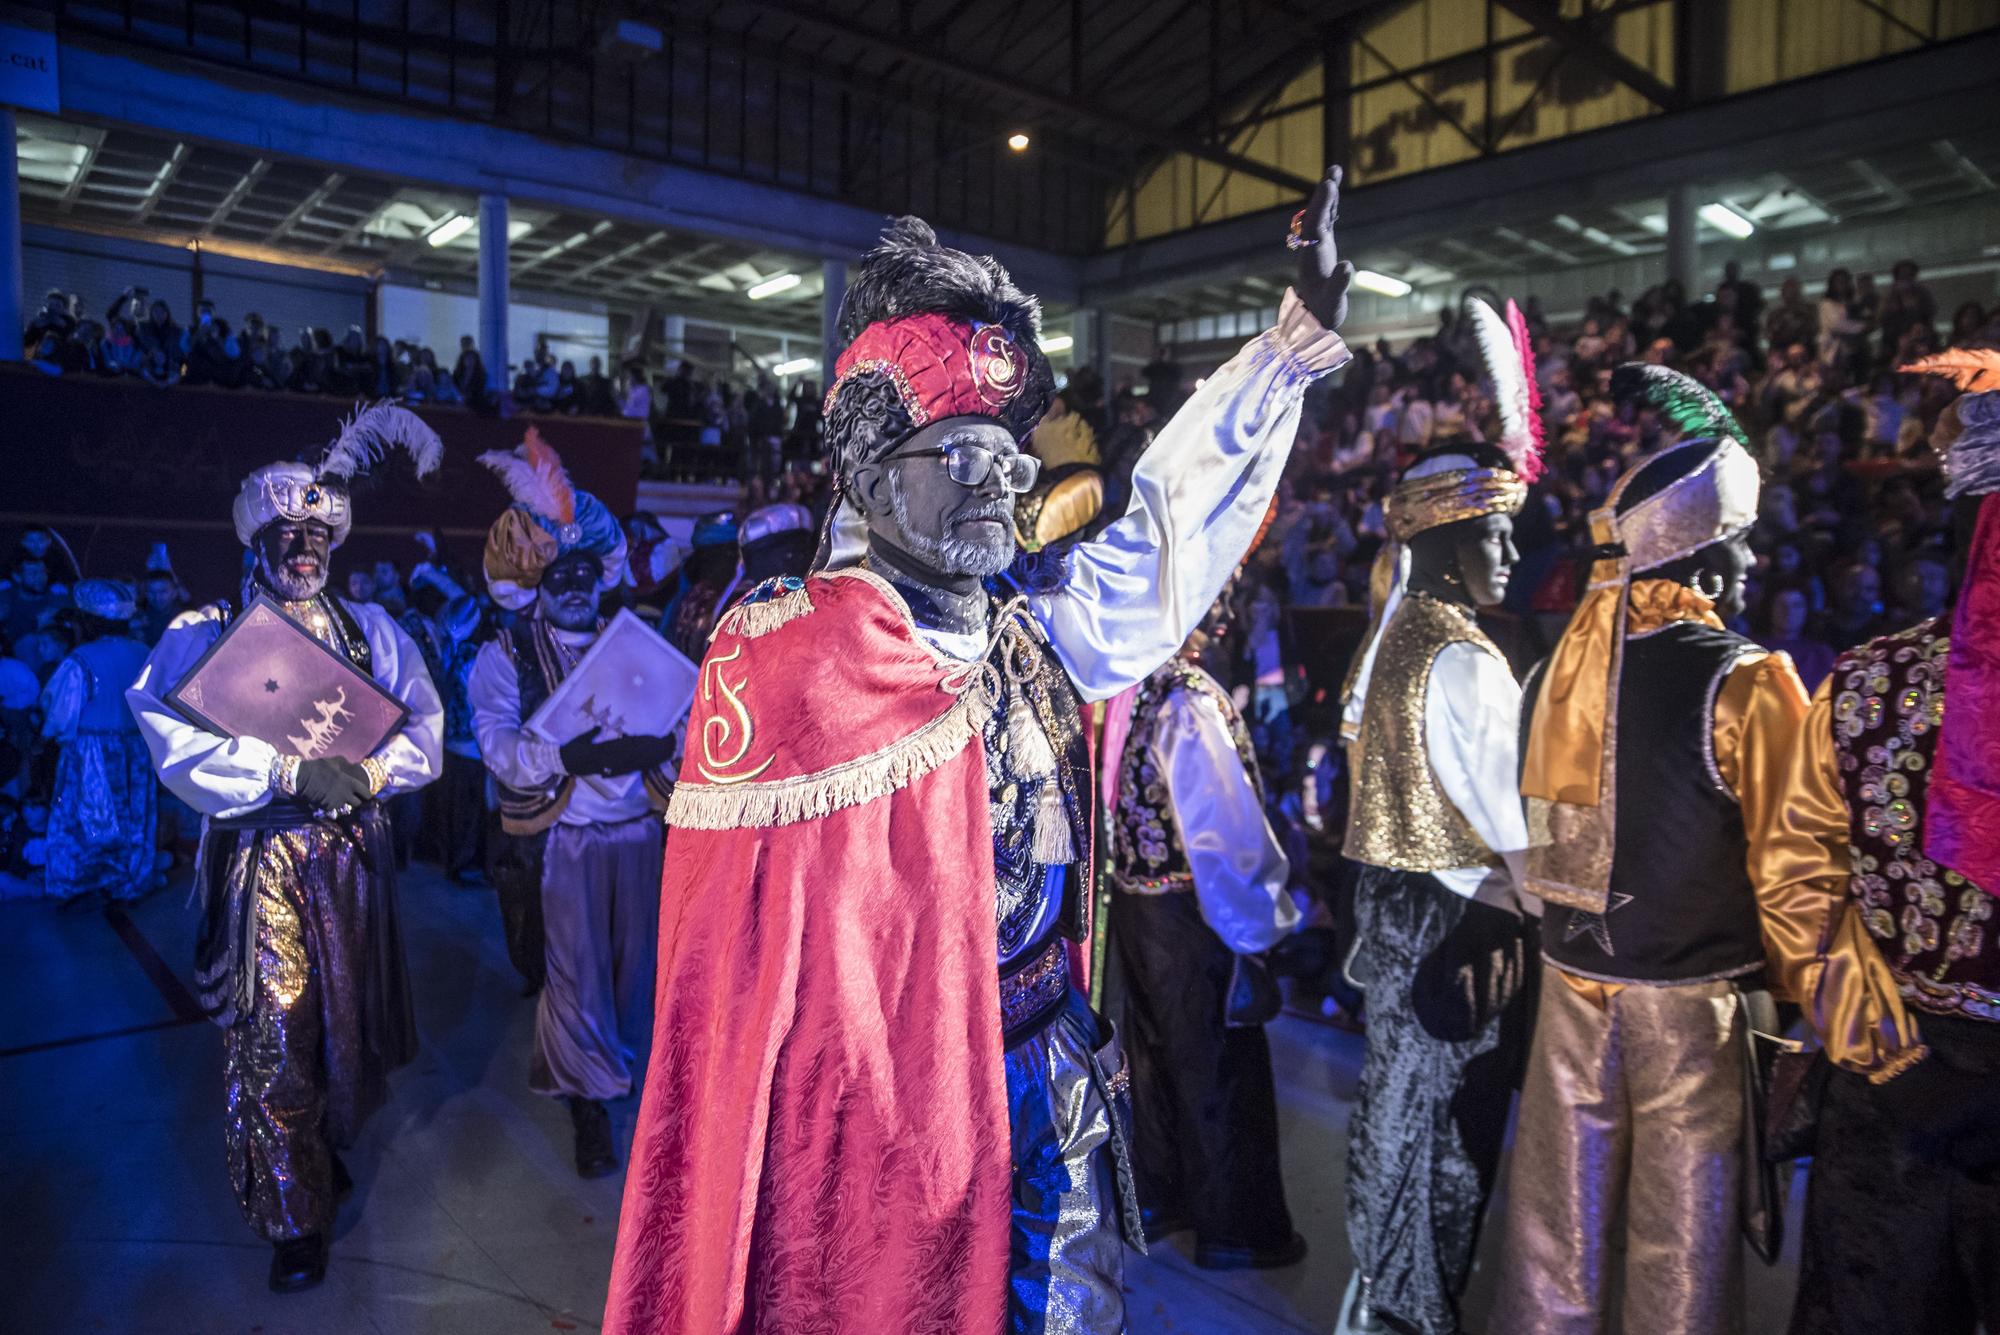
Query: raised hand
point(1323, 277)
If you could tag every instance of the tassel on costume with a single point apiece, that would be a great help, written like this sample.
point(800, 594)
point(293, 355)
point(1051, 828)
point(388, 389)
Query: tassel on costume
point(1028, 745)
point(1034, 759)
point(1053, 845)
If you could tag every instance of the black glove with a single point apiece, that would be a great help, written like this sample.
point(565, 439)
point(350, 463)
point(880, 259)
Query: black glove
point(584, 754)
point(1323, 277)
point(332, 784)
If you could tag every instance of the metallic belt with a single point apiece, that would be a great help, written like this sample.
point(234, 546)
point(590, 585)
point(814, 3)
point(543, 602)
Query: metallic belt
point(1033, 994)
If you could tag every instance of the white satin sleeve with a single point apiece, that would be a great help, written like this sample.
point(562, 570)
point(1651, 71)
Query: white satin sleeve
point(1240, 871)
point(1199, 494)
point(214, 774)
point(516, 759)
point(64, 697)
point(414, 756)
point(1472, 722)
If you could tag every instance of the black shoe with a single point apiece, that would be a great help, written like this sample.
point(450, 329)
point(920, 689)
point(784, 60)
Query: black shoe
point(594, 1155)
point(343, 1181)
point(298, 1263)
point(1210, 1257)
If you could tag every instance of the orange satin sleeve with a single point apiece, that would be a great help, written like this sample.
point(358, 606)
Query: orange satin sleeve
point(1820, 954)
point(1758, 710)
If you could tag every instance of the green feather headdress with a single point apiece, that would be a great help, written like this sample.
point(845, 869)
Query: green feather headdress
point(1689, 405)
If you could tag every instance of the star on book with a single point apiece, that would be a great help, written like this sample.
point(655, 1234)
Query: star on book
point(1594, 925)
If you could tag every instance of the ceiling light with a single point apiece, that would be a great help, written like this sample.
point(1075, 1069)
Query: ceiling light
point(772, 286)
point(1018, 142)
point(450, 230)
point(1370, 281)
point(796, 366)
point(1058, 343)
point(1725, 219)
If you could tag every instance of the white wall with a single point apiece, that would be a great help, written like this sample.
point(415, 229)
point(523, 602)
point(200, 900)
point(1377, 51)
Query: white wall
point(97, 268)
point(438, 320)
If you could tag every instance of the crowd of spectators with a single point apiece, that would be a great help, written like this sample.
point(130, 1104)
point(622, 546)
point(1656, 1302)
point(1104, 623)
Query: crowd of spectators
point(697, 425)
point(139, 337)
point(1853, 539)
point(1854, 535)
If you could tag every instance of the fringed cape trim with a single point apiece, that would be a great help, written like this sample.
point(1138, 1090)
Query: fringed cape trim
point(851, 783)
point(776, 602)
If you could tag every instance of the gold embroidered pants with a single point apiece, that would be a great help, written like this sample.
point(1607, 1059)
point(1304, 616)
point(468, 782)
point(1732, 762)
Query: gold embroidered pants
point(328, 1016)
point(1631, 1123)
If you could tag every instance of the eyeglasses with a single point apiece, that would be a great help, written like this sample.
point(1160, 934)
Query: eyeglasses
point(968, 465)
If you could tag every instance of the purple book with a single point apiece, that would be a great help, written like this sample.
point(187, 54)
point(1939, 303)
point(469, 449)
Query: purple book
point(267, 678)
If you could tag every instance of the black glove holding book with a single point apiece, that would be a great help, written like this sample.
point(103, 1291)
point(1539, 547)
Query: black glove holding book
point(617, 755)
point(332, 785)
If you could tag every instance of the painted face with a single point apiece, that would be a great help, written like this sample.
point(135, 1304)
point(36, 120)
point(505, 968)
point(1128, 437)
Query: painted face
point(957, 529)
point(568, 593)
point(292, 557)
point(1733, 562)
point(1486, 557)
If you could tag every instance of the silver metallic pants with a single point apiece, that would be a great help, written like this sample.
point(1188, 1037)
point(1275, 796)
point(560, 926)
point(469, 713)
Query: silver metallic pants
point(1068, 1254)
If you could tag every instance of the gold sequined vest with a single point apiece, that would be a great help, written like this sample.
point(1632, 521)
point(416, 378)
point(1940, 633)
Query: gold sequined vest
point(1399, 816)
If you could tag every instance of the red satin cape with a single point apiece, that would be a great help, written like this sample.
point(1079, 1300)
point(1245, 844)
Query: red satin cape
point(823, 1139)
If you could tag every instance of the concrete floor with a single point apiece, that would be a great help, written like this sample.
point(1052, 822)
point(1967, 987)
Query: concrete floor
point(467, 1215)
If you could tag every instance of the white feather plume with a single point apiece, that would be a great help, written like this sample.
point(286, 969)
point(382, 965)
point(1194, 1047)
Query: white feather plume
point(1509, 377)
point(366, 438)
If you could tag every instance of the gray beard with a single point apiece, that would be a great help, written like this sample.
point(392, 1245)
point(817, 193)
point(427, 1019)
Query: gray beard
point(287, 585)
point(950, 555)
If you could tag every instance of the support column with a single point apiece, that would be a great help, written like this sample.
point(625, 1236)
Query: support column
point(493, 289)
point(1684, 240)
point(674, 338)
point(11, 321)
point(1100, 353)
point(833, 278)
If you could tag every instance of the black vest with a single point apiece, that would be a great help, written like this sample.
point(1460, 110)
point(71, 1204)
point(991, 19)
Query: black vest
point(1682, 909)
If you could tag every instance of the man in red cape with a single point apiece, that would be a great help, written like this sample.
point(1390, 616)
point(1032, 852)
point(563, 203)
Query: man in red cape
point(848, 1126)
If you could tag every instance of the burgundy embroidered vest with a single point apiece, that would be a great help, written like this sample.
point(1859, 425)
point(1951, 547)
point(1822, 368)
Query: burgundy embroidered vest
point(1934, 926)
point(1147, 856)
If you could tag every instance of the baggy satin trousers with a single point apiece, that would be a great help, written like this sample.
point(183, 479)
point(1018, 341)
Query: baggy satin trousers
point(601, 914)
point(1631, 1121)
